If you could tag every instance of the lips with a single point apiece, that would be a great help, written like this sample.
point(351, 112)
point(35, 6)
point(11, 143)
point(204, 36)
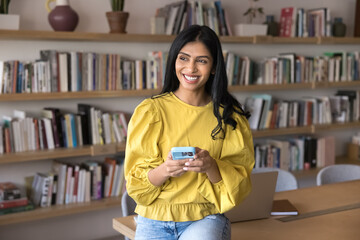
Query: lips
point(191, 78)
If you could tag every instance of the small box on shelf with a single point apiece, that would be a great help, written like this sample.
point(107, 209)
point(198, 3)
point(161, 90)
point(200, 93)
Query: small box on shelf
point(353, 151)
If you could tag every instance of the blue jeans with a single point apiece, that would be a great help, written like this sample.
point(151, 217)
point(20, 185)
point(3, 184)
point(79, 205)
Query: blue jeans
point(212, 227)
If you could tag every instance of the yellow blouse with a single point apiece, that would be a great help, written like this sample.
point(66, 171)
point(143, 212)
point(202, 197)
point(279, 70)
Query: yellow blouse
point(160, 123)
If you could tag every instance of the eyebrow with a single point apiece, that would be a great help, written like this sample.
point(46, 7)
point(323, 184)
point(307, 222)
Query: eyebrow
point(196, 57)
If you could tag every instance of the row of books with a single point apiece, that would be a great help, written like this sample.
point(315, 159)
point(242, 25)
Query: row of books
point(54, 129)
point(270, 113)
point(297, 153)
point(77, 183)
point(300, 22)
point(182, 14)
point(101, 73)
point(61, 71)
point(11, 200)
point(292, 68)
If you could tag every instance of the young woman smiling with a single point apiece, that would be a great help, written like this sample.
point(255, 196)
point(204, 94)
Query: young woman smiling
point(186, 199)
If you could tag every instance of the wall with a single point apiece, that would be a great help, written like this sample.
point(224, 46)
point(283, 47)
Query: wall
point(97, 225)
point(92, 12)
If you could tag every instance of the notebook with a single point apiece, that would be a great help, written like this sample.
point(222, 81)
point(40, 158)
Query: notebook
point(259, 202)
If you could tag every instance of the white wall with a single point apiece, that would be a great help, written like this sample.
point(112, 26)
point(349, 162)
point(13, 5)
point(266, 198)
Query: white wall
point(97, 225)
point(92, 12)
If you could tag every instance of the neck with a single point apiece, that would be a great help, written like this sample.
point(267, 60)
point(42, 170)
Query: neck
point(193, 98)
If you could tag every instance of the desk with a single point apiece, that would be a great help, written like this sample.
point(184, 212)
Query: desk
point(343, 225)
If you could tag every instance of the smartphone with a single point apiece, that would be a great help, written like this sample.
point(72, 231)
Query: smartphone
point(182, 152)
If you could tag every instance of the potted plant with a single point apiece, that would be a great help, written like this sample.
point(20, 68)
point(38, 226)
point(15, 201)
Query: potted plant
point(251, 29)
point(117, 18)
point(8, 21)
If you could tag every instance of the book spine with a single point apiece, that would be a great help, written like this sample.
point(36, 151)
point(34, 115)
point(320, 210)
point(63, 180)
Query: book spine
point(13, 203)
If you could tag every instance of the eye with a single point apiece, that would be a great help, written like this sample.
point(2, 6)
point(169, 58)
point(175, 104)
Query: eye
point(182, 58)
point(204, 61)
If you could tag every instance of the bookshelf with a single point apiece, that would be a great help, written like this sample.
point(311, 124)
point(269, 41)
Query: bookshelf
point(88, 150)
point(56, 153)
point(151, 92)
point(148, 38)
point(101, 38)
point(59, 210)
point(76, 95)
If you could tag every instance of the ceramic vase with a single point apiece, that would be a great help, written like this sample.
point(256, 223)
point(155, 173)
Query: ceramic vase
point(62, 17)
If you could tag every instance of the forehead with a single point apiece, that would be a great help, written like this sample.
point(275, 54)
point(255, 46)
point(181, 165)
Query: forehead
point(195, 49)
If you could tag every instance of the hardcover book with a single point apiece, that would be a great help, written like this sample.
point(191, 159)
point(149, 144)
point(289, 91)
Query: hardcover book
point(9, 191)
point(13, 203)
point(283, 207)
point(288, 22)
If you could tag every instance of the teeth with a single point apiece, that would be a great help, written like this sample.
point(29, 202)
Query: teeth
point(190, 78)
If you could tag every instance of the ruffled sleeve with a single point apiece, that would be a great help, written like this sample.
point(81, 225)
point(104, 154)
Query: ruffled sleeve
point(142, 153)
point(235, 164)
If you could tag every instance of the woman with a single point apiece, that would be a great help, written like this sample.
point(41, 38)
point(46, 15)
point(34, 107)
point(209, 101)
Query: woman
point(185, 199)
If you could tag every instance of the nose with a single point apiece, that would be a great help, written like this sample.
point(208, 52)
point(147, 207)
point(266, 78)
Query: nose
point(192, 66)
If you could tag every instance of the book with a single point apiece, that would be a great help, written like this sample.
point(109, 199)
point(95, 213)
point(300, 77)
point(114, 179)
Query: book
point(254, 106)
point(52, 57)
point(288, 22)
point(13, 203)
point(9, 191)
point(84, 113)
point(283, 207)
point(28, 207)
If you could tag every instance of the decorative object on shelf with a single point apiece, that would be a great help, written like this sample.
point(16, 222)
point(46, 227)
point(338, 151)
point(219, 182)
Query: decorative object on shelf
point(62, 17)
point(251, 29)
point(339, 28)
point(117, 18)
point(357, 19)
point(273, 27)
point(253, 10)
point(8, 21)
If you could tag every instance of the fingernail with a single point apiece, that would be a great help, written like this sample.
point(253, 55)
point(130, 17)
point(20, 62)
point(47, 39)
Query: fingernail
point(185, 168)
point(187, 164)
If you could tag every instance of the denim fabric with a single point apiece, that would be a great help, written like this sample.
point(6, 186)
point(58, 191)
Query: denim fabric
point(212, 227)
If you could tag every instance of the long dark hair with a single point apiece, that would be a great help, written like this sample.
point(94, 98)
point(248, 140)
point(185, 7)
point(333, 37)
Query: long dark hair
point(217, 84)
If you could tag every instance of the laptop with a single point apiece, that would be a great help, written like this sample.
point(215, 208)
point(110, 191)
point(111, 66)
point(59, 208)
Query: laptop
point(258, 203)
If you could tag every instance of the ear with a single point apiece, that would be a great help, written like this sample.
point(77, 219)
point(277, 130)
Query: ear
point(213, 71)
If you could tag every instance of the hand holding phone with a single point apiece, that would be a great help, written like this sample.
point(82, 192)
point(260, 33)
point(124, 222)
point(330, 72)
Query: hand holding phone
point(182, 152)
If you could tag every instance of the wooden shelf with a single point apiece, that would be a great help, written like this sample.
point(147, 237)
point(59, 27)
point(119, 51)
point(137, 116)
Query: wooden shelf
point(59, 210)
point(53, 154)
point(82, 36)
point(336, 126)
point(355, 83)
point(271, 87)
point(282, 131)
point(150, 38)
point(304, 130)
point(77, 95)
point(284, 40)
point(151, 92)
point(88, 151)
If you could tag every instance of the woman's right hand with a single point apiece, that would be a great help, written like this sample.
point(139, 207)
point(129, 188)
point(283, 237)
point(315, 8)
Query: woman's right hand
point(174, 168)
point(170, 168)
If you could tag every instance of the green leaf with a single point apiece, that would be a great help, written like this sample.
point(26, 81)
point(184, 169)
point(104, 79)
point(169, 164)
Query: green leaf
point(247, 12)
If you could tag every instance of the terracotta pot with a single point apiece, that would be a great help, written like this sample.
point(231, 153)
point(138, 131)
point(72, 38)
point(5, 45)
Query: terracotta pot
point(117, 21)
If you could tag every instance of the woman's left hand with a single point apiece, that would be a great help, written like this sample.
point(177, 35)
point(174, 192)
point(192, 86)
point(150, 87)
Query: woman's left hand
point(201, 163)
point(204, 163)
